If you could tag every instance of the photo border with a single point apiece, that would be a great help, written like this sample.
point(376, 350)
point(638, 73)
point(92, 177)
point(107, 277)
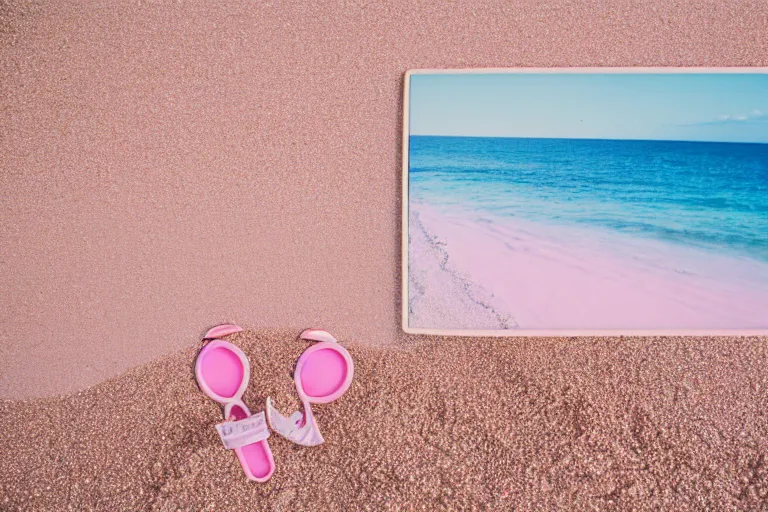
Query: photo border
point(540, 332)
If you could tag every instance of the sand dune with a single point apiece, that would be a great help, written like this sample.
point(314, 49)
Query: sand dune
point(437, 424)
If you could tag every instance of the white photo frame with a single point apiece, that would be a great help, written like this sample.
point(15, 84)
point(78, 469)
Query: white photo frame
point(539, 329)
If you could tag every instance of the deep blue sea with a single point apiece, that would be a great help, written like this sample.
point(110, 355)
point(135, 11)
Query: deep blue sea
point(704, 194)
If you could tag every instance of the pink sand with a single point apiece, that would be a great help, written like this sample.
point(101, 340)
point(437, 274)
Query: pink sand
point(543, 277)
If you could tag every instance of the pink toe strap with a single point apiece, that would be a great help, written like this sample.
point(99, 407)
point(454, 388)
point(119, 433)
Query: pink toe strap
point(222, 330)
point(317, 335)
point(236, 434)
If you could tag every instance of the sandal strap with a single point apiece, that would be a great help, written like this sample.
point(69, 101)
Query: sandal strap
point(236, 434)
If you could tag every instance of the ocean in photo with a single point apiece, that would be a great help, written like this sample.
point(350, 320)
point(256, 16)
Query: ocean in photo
point(708, 195)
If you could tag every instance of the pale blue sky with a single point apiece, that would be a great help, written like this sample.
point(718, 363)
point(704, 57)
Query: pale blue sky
point(704, 107)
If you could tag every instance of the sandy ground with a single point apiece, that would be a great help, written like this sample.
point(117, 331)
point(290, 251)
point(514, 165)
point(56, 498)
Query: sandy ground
point(167, 166)
point(436, 424)
point(473, 270)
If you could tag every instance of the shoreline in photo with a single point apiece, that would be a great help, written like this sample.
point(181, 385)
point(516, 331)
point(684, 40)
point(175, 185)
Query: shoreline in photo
point(499, 273)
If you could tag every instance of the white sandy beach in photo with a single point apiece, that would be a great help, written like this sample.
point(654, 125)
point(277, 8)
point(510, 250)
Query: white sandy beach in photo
point(509, 274)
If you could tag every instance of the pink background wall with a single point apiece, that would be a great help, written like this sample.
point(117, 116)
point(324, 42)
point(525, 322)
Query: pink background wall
point(169, 167)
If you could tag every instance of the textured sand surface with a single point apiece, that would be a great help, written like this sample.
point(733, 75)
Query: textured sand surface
point(167, 166)
point(460, 424)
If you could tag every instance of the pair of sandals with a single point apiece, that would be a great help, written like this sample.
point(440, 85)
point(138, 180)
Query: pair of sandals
point(323, 373)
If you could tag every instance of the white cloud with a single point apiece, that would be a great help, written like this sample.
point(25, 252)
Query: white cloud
point(754, 115)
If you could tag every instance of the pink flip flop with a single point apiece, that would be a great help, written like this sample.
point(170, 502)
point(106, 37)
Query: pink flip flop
point(323, 373)
point(222, 372)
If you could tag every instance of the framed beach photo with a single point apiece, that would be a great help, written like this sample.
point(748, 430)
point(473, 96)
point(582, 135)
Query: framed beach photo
point(585, 201)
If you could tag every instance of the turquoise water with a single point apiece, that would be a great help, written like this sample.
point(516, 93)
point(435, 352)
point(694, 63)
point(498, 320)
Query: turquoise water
point(703, 194)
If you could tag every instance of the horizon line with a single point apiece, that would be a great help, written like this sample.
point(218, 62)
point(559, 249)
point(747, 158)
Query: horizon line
point(585, 138)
